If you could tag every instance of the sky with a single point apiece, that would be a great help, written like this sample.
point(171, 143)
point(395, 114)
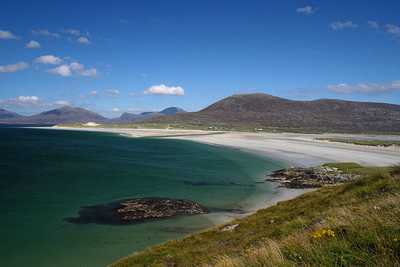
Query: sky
point(134, 56)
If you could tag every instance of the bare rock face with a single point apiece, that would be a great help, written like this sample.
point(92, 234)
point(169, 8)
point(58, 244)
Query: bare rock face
point(310, 177)
point(136, 210)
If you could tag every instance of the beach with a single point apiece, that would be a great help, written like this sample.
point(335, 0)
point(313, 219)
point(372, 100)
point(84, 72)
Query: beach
point(294, 148)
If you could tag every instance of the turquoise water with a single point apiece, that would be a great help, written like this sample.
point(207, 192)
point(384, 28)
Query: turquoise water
point(47, 175)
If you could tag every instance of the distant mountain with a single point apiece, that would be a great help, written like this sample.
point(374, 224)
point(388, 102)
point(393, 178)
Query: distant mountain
point(172, 111)
point(64, 114)
point(130, 117)
point(267, 111)
point(5, 114)
point(67, 114)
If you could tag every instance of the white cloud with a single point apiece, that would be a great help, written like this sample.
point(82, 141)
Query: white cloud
point(115, 110)
point(93, 93)
point(62, 103)
point(112, 92)
point(83, 40)
point(82, 71)
point(7, 35)
point(393, 29)
point(33, 44)
point(63, 70)
point(45, 32)
point(340, 25)
point(31, 103)
point(373, 24)
point(74, 32)
point(162, 89)
point(14, 67)
point(307, 10)
point(76, 68)
point(366, 88)
point(92, 72)
point(48, 59)
point(21, 101)
point(28, 99)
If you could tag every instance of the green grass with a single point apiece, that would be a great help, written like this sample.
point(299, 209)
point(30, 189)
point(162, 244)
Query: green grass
point(384, 143)
point(364, 216)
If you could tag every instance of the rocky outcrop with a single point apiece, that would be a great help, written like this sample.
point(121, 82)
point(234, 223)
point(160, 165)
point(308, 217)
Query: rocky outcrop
point(314, 177)
point(137, 210)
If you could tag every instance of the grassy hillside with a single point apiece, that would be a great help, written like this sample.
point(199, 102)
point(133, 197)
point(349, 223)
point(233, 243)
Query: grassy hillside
point(356, 224)
point(250, 111)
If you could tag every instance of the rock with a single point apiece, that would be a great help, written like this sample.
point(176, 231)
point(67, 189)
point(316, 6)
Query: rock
point(296, 177)
point(136, 210)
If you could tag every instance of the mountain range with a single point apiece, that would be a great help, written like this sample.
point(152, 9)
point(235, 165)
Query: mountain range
point(267, 111)
point(130, 117)
point(249, 111)
point(69, 114)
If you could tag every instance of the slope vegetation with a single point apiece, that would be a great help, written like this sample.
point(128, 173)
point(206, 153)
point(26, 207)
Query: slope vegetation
point(266, 111)
point(355, 224)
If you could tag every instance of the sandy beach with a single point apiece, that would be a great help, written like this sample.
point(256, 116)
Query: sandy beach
point(303, 150)
point(294, 148)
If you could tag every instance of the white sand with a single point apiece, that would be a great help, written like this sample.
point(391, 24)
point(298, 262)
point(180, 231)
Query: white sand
point(303, 149)
point(296, 149)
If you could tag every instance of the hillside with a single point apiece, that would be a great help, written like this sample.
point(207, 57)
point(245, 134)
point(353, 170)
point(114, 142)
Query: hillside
point(69, 114)
point(130, 117)
point(64, 115)
point(5, 114)
point(354, 224)
point(266, 111)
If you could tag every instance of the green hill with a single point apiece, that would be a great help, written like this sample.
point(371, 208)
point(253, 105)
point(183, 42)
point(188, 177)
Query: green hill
point(355, 224)
point(269, 112)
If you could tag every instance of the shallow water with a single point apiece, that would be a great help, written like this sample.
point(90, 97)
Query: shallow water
point(47, 175)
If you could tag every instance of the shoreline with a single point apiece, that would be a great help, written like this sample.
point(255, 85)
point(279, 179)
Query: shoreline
point(299, 150)
point(277, 194)
point(292, 149)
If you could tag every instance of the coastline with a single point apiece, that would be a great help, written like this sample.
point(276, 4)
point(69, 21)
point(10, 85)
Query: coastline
point(294, 149)
point(301, 150)
point(254, 203)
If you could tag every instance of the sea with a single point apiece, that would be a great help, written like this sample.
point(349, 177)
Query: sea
point(47, 175)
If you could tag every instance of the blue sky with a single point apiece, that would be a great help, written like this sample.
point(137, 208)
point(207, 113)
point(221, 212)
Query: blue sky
point(146, 55)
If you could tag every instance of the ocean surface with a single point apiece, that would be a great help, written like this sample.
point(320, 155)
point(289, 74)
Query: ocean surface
point(47, 175)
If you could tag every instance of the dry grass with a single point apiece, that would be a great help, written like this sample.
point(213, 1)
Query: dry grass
point(356, 224)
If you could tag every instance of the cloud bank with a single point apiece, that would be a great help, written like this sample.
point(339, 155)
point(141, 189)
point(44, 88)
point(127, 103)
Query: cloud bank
point(365, 88)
